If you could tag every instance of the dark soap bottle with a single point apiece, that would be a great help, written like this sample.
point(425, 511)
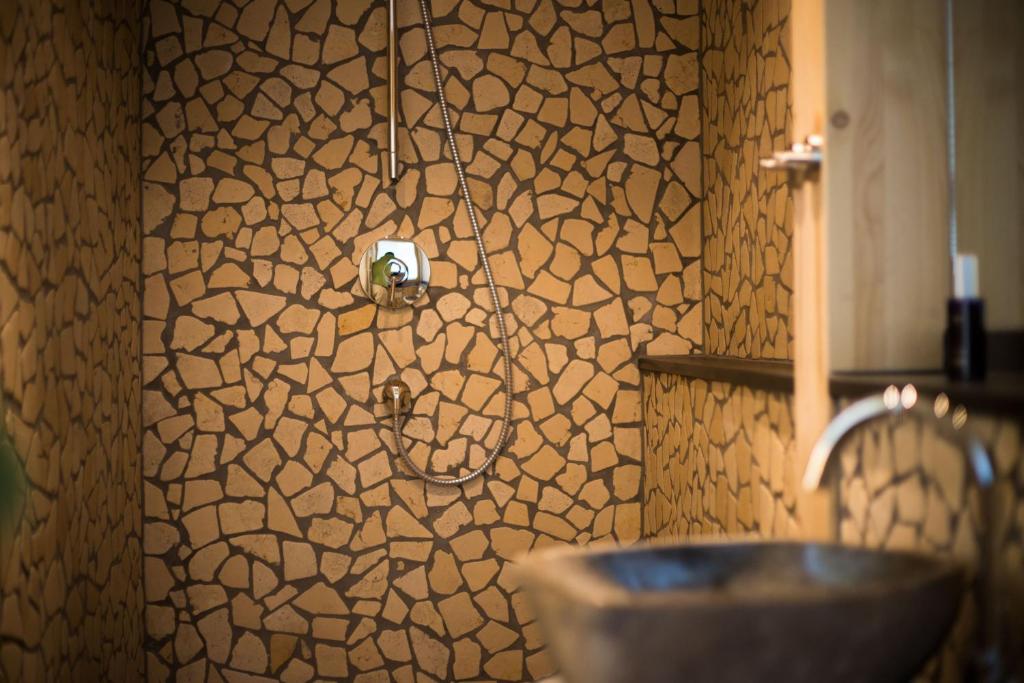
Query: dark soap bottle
point(965, 347)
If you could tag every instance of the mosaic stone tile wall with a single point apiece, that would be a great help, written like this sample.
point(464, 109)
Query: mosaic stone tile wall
point(71, 600)
point(716, 455)
point(904, 487)
point(283, 539)
point(718, 459)
point(747, 213)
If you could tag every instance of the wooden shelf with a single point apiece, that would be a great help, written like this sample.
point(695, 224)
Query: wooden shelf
point(770, 375)
point(1000, 394)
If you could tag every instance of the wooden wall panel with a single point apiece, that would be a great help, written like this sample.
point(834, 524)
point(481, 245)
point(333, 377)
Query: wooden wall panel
point(812, 407)
point(989, 58)
point(886, 192)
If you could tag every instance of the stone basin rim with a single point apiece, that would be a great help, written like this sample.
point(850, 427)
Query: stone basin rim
point(563, 569)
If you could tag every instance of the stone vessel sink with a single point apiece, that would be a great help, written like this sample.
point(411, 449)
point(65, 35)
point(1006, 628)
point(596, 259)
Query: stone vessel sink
point(741, 612)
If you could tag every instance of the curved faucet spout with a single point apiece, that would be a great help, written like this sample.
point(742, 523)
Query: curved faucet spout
point(896, 402)
point(846, 421)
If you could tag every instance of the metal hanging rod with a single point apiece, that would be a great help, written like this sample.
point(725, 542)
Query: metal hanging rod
point(392, 92)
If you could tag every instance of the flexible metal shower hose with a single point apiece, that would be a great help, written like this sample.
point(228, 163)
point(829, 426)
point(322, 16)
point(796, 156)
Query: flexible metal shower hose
point(499, 317)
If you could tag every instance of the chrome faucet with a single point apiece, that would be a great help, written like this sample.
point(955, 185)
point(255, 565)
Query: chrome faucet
point(951, 424)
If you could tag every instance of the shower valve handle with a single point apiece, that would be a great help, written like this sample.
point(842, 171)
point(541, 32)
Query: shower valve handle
point(397, 394)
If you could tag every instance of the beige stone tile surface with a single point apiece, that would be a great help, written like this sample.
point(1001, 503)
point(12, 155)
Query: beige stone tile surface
point(905, 487)
point(320, 554)
point(747, 214)
point(71, 305)
point(717, 460)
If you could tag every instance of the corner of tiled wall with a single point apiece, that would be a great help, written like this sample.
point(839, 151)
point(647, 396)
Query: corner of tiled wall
point(718, 456)
point(747, 214)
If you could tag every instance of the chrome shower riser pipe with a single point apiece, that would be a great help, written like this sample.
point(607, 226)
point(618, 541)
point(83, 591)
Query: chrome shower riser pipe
point(499, 317)
point(392, 92)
